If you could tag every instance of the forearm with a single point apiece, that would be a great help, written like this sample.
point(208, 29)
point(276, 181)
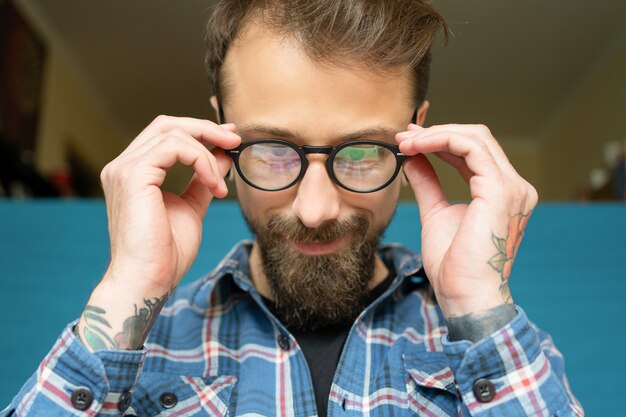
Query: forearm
point(119, 317)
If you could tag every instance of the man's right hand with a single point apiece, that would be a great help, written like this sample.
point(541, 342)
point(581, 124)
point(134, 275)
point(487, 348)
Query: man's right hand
point(155, 235)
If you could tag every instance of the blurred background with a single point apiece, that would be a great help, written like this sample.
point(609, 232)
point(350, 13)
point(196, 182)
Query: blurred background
point(79, 79)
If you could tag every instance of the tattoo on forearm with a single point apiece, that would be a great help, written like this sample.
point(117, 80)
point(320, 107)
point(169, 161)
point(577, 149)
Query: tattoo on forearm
point(134, 329)
point(507, 249)
point(477, 326)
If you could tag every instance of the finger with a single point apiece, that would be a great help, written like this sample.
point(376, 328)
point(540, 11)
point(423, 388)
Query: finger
point(402, 136)
point(163, 146)
point(224, 161)
point(163, 153)
point(198, 196)
point(204, 131)
point(425, 184)
point(480, 133)
point(231, 127)
point(475, 153)
point(222, 164)
point(414, 127)
point(220, 190)
point(457, 163)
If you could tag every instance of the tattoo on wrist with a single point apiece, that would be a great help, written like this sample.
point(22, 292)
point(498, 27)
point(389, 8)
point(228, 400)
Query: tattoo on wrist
point(96, 332)
point(93, 334)
point(477, 326)
point(507, 247)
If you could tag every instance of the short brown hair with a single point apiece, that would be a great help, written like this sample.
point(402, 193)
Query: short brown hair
point(375, 34)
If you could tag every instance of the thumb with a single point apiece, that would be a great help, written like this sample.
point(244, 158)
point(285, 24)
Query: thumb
point(425, 184)
point(223, 161)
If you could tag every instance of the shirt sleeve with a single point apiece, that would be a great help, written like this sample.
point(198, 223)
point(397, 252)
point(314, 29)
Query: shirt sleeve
point(73, 381)
point(516, 371)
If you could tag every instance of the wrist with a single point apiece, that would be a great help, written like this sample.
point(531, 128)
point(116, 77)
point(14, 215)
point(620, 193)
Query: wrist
point(477, 325)
point(119, 316)
point(132, 281)
point(478, 300)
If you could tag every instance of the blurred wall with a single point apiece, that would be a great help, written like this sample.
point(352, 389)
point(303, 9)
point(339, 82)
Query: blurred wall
point(72, 113)
point(595, 115)
point(73, 117)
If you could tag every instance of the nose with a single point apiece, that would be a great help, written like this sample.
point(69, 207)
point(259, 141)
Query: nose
point(317, 197)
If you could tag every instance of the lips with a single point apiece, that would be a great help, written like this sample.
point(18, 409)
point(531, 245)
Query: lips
point(319, 248)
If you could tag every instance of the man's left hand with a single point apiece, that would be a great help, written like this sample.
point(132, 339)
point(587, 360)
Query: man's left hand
point(467, 249)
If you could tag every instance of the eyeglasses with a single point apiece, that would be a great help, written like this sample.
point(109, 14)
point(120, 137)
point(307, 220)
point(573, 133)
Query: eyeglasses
point(358, 166)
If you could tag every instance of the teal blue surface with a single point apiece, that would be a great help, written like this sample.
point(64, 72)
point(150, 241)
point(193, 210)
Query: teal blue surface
point(570, 277)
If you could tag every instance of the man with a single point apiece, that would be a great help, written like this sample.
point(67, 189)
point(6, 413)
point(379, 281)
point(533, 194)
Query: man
point(322, 105)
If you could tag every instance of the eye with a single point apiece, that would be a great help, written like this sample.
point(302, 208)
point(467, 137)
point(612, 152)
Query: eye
point(359, 153)
point(354, 153)
point(278, 150)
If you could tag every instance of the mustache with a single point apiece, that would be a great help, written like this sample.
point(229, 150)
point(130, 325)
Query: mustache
point(293, 229)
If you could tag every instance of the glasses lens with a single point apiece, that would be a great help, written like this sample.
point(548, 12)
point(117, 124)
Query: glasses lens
point(364, 167)
point(270, 165)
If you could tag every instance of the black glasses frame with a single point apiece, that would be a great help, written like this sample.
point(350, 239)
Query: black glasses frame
point(303, 151)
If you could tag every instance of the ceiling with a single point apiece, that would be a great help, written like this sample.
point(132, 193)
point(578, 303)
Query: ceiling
point(513, 65)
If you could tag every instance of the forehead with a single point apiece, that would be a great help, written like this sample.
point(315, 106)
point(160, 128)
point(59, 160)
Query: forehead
point(271, 81)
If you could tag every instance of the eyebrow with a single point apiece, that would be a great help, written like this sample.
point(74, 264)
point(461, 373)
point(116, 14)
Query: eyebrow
point(374, 132)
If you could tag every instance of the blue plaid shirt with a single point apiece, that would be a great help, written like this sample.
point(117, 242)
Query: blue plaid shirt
point(217, 350)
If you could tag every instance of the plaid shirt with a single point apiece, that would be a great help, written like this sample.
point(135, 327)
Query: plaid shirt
point(217, 350)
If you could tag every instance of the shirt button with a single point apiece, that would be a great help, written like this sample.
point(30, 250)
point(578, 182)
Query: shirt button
point(484, 390)
point(82, 398)
point(283, 342)
point(125, 400)
point(168, 400)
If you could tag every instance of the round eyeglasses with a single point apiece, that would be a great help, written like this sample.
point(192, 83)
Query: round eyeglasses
point(358, 166)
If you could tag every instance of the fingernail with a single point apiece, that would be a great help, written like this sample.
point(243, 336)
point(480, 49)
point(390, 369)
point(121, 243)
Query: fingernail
point(405, 135)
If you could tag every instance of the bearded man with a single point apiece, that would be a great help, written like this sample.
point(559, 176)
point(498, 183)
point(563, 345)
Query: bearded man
point(321, 107)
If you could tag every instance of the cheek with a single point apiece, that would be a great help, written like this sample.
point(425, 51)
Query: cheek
point(378, 206)
point(257, 204)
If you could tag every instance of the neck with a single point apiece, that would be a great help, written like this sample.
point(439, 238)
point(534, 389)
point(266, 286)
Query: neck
point(260, 280)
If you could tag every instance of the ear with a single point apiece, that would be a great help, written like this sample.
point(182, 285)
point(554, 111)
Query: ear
point(216, 107)
point(421, 113)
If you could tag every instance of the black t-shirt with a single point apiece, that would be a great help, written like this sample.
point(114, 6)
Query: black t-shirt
point(322, 348)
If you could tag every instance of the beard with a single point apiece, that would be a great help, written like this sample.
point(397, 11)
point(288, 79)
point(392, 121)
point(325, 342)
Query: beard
point(316, 291)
